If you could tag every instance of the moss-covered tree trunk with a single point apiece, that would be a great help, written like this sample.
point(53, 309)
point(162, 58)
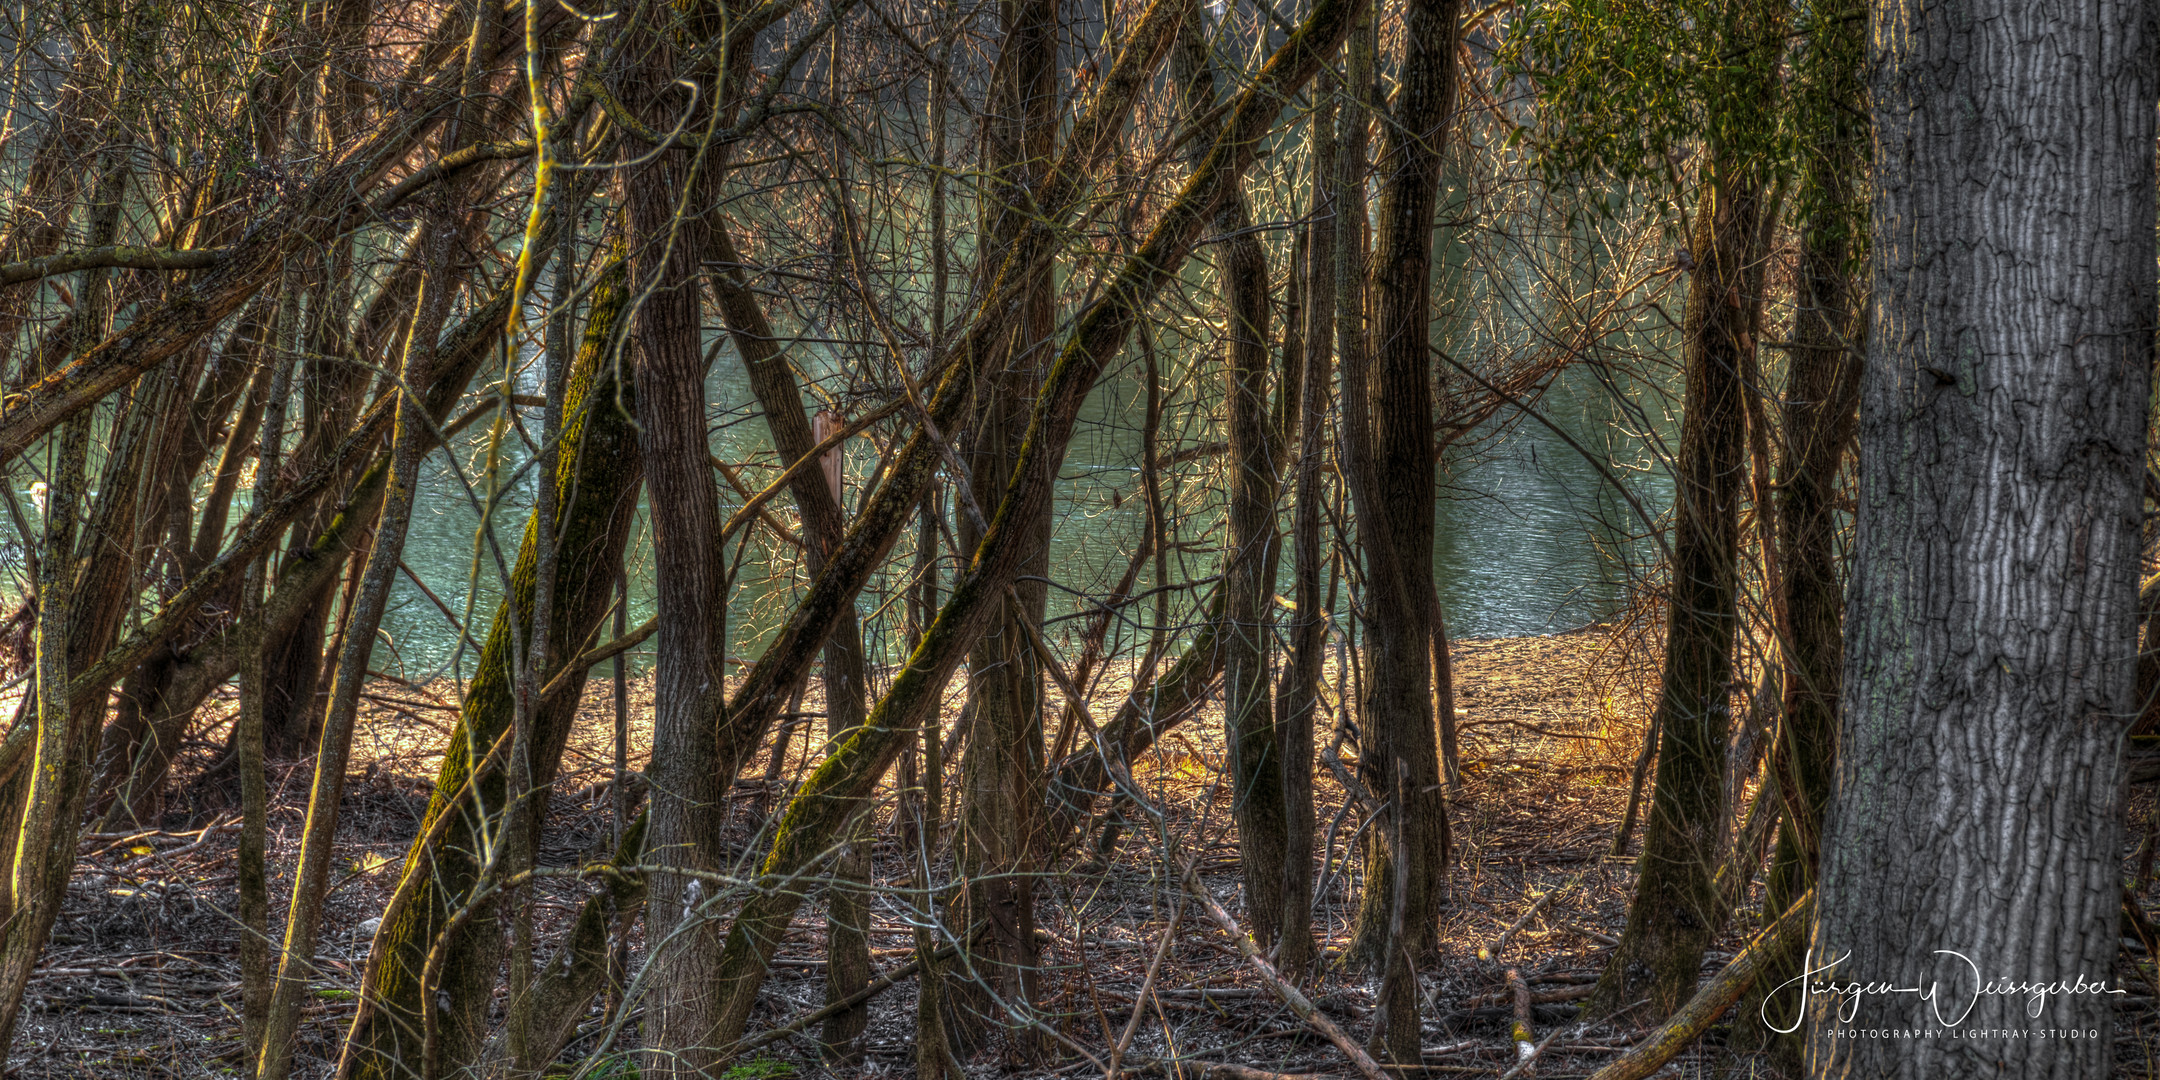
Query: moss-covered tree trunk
point(597, 484)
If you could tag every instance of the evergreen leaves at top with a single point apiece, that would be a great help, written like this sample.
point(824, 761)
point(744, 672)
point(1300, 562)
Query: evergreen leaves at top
point(1632, 90)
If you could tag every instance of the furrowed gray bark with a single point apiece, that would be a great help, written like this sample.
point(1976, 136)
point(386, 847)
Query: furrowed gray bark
point(1991, 619)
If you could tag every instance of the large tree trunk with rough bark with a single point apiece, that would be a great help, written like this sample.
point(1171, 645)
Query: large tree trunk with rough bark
point(1992, 614)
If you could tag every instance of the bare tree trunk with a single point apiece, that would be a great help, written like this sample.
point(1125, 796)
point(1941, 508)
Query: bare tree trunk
point(667, 239)
point(249, 739)
point(1821, 397)
point(1989, 669)
point(1002, 769)
point(1298, 700)
point(1388, 416)
point(1369, 935)
point(1675, 910)
point(1256, 768)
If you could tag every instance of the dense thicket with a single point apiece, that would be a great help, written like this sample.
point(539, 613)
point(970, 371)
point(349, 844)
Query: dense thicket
point(1020, 389)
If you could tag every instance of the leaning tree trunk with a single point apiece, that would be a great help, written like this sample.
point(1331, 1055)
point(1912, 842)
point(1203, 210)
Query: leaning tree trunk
point(1388, 413)
point(597, 481)
point(1992, 620)
point(60, 773)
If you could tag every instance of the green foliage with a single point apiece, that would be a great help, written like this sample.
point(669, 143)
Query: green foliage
point(1637, 89)
point(1828, 127)
point(760, 1069)
point(611, 1067)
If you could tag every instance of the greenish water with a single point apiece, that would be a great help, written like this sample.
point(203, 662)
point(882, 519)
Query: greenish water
point(1531, 537)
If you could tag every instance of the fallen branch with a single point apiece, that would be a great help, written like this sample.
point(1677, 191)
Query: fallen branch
point(1537, 997)
point(1492, 952)
point(1710, 1002)
point(1290, 995)
point(1600, 938)
point(1147, 986)
point(877, 986)
point(208, 835)
point(1530, 1055)
point(1525, 1051)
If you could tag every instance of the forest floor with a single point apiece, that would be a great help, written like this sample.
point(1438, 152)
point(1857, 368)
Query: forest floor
point(141, 977)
